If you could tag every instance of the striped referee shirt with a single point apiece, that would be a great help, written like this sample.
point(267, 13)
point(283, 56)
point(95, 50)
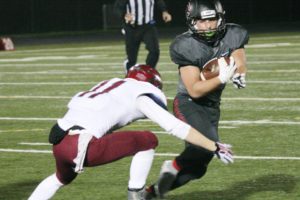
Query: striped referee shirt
point(142, 10)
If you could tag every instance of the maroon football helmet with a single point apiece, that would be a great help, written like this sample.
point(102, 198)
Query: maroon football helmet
point(145, 73)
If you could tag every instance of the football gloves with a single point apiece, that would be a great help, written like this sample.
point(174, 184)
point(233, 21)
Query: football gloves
point(224, 152)
point(226, 70)
point(239, 80)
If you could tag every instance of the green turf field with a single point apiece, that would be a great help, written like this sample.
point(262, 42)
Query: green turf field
point(262, 122)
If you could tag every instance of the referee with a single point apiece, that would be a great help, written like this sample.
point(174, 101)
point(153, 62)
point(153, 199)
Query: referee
point(139, 26)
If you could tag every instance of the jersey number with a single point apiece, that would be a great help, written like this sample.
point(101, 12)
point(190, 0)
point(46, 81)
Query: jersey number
point(97, 90)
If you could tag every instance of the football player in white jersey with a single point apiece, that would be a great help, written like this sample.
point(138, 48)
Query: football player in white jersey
point(85, 136)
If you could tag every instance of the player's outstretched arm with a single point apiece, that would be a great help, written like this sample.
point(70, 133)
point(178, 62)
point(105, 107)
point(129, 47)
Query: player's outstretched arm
point(222, 151)
point(181, 129)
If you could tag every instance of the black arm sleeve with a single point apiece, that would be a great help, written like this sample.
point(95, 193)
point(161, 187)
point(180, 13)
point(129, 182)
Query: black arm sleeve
point(161, 5)
point(120, 8)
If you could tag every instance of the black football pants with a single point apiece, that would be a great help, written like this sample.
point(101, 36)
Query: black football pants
point(205, 118)
point(134, 36)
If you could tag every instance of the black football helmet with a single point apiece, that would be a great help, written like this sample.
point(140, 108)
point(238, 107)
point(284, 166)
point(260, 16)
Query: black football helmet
point(206, 9)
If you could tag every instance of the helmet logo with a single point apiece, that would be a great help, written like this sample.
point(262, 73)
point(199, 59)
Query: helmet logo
point(141, 76)
point(208, 14)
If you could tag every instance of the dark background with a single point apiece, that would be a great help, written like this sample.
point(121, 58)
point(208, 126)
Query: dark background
point(43, 16)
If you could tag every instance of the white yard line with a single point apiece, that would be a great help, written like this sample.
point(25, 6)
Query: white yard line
point(27, 119)
point(39, 58)
point(119, 65)
point(35, 143)
point(243, 157)
point(120, 47)
point(18, 130)
point(159, 154)
point(248, 122)
point(80, 72)
point(284, 82)
point(250, 99)
point(35, 97)
point(169, 98)
point(234, 122)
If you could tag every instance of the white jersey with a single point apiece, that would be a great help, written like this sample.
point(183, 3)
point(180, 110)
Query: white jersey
point(109, 105)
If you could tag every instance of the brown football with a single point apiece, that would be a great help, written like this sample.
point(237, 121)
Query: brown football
point(211, 69)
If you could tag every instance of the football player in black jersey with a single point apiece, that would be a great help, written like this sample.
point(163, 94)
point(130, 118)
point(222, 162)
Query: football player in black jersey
point(198, 101)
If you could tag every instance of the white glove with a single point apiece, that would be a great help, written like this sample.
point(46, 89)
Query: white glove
point(226, 71)
point(239, 80)
point(224, 152)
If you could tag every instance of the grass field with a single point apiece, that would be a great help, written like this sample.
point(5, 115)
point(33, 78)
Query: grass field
point(262, 122)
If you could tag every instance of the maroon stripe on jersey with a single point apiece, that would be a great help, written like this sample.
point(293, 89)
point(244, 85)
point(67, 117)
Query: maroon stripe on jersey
point(116, 84)
point(176, 110)
point(96, 88)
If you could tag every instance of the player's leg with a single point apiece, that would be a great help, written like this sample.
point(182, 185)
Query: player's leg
point(139, 144)
point(193, 161)
point(46, 189)
point(132, 43)
point(64, 153)
point(117, 145)
point(152, 45)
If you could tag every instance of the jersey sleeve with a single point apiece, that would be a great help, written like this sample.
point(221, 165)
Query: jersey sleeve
point(162, 117)
point(237, 36)
point(185, 50)
point(179, 52)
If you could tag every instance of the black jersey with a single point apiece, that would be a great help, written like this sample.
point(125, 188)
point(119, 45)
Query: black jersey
point(186, 50)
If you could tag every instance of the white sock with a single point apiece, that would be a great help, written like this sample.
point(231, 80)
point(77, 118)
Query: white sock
point(139, 169)
point(46, 189)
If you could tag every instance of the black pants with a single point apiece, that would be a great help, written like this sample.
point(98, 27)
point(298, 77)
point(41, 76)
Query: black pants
point(205, 118)
point(134, 36)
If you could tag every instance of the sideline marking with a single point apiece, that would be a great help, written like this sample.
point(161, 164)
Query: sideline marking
point(159, 154)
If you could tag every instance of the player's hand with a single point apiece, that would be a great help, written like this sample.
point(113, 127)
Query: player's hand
point(224, 152)
point(226, 70)
point(129, 18)
point(239, 80)
point(166, 16)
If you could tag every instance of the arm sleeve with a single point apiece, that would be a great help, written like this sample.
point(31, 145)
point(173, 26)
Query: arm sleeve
point(120, 8)
point(161, 5)
point(162, 117)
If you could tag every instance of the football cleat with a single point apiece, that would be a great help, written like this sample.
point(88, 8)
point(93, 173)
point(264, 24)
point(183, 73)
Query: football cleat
point(150, 193)
point(166, 178)
point(136, 194)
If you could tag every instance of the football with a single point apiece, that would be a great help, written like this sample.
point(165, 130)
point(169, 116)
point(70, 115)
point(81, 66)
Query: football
point(211, 68)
